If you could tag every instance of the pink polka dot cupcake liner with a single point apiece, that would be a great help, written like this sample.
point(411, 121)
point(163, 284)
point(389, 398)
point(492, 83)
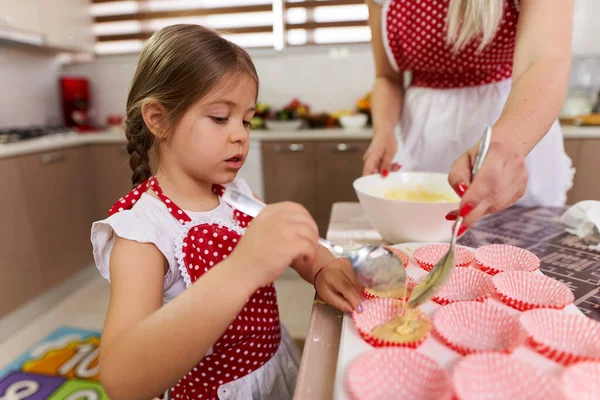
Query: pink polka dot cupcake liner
point(371, 294)
point(380, 374)
point(497, 376)
point(561, 337)
point(581, 381)
point(472, 327)
point(400, 254)
point(428, 256)
point(465, 284)
point(380, 311)
point(525, 291)
point(496, 258)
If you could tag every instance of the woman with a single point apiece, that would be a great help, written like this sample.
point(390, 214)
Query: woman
point(474, 63)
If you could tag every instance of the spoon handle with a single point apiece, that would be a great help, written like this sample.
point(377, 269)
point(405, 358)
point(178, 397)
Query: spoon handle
point(484, 146)
point(252, 207)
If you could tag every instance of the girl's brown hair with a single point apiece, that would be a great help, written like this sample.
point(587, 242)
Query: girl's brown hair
point(179, 65)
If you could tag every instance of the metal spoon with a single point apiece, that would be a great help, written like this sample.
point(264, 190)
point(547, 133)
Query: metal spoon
point(427, 288)
point(375, 266)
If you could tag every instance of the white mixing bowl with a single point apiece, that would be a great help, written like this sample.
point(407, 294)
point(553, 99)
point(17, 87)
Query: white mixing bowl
point(406, 221)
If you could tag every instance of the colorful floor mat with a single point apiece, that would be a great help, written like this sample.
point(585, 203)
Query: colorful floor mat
point(62, 366)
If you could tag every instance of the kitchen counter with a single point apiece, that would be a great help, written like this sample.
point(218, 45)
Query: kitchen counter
point(564, 257)
point(67, 140)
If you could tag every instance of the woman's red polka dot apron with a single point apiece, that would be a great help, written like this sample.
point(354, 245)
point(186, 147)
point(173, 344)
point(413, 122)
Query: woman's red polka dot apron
point(414, 35)
point(253, 337)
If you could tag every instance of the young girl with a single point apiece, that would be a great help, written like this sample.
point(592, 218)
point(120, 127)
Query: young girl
point(192, 306)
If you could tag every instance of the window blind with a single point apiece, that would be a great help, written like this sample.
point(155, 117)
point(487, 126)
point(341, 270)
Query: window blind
point(123, 26)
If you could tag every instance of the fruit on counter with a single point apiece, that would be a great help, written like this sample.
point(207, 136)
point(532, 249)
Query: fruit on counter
point(322, 120)
point(292, 111)
point(262, 110)
point(257, 122)
point(364, 103)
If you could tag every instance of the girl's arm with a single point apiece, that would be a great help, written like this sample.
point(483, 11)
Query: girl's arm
point(386, 99)
point(147, 347)
point(540, 78)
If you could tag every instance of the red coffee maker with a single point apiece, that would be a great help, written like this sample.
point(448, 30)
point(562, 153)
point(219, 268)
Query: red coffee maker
point(75, 95)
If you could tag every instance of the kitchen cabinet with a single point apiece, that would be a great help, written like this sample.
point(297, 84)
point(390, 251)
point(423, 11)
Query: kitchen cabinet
point(20, 276)
point(66, 25)
point(290, 172)
point(59, 199)
point(316, 174)
point(584, 154)
point(338, 165)
point(111, 177)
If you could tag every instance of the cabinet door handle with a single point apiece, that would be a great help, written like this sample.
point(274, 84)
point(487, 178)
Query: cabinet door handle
point(50, 158)
point(292, 148)
point(344, 148)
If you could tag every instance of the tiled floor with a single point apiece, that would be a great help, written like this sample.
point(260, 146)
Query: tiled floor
point(86, 308)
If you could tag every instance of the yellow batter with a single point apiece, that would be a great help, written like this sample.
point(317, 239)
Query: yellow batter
point(399, 293)
point(411, 326)
point(419, 195)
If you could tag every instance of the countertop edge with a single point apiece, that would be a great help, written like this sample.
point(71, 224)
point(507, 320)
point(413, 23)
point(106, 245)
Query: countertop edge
point(65, 141)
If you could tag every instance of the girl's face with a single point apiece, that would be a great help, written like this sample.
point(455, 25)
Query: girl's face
point(211, 141)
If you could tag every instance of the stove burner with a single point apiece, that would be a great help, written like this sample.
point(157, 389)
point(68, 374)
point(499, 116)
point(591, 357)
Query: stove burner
point(14, 135)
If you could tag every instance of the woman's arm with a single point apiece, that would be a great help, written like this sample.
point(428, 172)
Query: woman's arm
point(146, 347)
point(386, 100)
point(541, 69)
point(540, 77)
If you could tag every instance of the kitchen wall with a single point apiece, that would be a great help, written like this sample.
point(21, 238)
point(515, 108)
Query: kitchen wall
point(28, 87)
point(328, 78)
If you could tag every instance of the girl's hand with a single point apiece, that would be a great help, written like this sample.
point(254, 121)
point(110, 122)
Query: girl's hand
point(500, 183)
point(337, 285)
point(280, 234)
point(378, 157)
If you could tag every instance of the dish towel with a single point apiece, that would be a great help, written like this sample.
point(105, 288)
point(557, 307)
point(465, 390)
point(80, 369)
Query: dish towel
point(583, 220)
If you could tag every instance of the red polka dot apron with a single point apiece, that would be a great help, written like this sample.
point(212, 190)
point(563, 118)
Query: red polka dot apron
point(414, 36)
point(254, 336)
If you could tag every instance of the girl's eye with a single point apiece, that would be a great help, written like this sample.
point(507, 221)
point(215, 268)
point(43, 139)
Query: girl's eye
point(220, 120)
point(247, 124)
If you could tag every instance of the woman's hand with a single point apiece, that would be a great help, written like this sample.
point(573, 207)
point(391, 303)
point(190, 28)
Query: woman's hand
point(499, 184)
point(337, 285)
point(378, 157)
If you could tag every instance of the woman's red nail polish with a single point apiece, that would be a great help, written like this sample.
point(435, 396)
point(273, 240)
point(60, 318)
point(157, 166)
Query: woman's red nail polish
point(466, 209)
point(385, 173)
point(462, 230)
point(396, 167)
point(451, 217)
point(461, 189)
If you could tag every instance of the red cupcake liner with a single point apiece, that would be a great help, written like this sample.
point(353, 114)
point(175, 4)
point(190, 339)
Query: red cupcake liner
point(465, 284)
point(428, 256)
point(561, 337)
point(371, 294)
point(471, 327)
point(380, 375)
point(497, 376)
point(496, 258)
point(525, 291)
point(377, 312)
point(400, 254)
point(581, 381)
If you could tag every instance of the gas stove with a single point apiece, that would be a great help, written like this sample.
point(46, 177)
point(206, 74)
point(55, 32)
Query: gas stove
point(15, 135)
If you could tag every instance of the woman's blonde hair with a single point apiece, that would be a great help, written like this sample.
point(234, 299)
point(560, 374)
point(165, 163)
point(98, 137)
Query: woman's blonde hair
point(179, 65)
point(471, 19)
